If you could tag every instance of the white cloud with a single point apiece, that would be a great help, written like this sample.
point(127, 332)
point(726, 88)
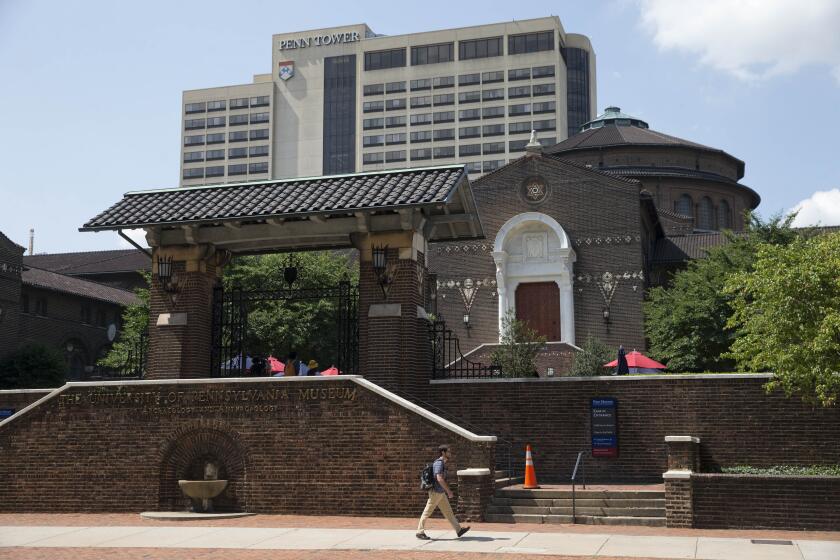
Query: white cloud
point(138, 235)
point(821, 208)
point(750, 39)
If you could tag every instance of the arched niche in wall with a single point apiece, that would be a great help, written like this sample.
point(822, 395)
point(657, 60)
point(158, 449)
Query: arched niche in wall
point(531, 248)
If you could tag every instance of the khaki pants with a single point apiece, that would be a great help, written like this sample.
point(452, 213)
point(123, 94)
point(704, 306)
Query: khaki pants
point(438, 500)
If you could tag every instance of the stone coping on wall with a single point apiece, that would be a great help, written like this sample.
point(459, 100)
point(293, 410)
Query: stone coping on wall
point(768, 477)
point(434, 418)
point(474, 472)
point(24, 391)
point(683, 439)
point(622, 378)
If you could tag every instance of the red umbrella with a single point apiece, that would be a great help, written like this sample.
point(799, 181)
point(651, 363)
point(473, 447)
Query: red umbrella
point(276, 365)
point(332, 370)
point(636, 359)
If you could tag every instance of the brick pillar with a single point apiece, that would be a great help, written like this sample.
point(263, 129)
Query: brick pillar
point(394, 347)
point(475, 490)
point(180, 317)
point(683, 461)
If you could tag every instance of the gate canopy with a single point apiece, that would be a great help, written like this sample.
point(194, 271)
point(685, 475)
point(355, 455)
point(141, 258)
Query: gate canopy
point(311, 213)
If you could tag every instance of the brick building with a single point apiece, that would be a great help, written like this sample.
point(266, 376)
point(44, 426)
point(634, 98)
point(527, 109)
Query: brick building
point(566, 248)
point(78, 317)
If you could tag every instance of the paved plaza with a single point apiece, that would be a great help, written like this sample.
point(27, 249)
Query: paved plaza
point(128, 536)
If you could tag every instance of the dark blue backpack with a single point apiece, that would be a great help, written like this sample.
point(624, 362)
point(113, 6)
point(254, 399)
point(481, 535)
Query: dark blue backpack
point(427, 477)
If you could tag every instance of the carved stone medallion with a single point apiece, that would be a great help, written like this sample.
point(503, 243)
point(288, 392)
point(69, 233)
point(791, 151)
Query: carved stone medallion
point(534, 190)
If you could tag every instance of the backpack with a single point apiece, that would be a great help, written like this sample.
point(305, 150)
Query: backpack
point(427, 477)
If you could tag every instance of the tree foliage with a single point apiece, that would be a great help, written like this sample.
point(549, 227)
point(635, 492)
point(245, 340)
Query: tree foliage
point(135, 322)
point(32, 367)
point(787, 317)
point(686, 323)
point(308, 327)
point(591, 358)
point(518, 348)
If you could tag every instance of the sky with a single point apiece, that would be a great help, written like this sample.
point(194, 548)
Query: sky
point(91, 91)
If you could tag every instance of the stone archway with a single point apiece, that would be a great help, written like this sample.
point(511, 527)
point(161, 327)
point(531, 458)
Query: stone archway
point(184, 456)
point(533, 247)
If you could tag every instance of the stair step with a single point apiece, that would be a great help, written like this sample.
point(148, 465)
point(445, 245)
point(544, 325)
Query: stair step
point(500, 483)
point(586, 502)
point(580, 519)
point(597, 511)
point(580, 494)
point(500, 474)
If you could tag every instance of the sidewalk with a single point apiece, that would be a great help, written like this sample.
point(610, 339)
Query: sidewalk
point(95, 535)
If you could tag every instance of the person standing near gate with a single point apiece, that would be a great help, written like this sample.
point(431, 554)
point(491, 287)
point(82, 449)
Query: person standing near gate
point(439, 496)
point(291, 364)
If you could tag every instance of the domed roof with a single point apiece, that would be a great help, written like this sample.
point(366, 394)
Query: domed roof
point(613, 115)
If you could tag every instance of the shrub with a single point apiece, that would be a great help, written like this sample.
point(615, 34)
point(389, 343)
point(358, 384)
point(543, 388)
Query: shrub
point(519, 347)
point(788, 470)
point(32, 367)
point(591, 358)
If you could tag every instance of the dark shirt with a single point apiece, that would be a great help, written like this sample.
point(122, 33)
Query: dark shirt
point(439, 467)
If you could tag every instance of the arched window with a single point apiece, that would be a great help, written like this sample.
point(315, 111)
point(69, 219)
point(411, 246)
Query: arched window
point(705, 214)
point(684, 205)
point(724, 216)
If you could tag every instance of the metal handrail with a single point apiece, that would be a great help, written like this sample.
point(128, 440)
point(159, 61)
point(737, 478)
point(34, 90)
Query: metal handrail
point(465, 423)
point(579, 463)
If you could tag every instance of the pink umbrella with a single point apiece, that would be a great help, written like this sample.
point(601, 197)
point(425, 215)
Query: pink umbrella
point(332, 370)
point(275, 365)
point(636, 359)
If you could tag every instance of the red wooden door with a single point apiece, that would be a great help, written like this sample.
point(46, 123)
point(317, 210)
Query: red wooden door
point(538, 305)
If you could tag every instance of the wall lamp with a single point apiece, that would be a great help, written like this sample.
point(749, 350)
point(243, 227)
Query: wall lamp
point(467, 324)
point(290, 271)
point(606, 314)
point(383, 268)
point(166, 275)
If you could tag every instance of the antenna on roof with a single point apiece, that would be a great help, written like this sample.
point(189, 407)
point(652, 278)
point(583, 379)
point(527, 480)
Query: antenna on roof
point(31, 241)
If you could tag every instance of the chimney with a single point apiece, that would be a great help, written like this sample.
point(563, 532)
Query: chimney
point(31, 241)
point(533, 147)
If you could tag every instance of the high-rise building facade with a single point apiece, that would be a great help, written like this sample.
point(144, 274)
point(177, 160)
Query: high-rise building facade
point(344, 99)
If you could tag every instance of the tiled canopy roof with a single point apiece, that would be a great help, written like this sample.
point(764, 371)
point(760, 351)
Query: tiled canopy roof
point(91, 262)
point(48, 280)
point(292, 197)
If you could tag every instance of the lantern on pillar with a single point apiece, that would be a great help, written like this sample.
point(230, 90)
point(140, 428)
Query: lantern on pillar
point(384, 270)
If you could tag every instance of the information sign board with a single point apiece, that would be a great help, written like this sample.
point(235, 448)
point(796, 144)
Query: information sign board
point(604, 427)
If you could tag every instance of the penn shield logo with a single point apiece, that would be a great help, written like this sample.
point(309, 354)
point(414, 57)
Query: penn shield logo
point(287, 70)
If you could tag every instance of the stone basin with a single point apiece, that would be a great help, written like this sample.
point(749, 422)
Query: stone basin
point(202, 489)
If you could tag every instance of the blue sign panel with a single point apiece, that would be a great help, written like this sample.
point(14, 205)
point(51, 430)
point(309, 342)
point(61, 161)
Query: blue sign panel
point(604, 427)
point(6, 412)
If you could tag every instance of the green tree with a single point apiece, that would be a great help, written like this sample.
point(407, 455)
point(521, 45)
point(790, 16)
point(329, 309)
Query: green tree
point(686, 323)
point(787, 317)
point(591, 358)
point(32, 367)
point(135, 322)
point(307, 326)
point(518, 349)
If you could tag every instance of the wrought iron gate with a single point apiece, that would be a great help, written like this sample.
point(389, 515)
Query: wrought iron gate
point(230, 324)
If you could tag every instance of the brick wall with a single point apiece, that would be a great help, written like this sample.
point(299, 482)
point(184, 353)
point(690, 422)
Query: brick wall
point(591, 208)
point(766, 502)
point(736, 420)
point(287, 445)
point(557, 355)
point(11, 257)
point(18, 399)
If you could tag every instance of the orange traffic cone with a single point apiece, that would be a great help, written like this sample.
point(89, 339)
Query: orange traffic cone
point(530, 473)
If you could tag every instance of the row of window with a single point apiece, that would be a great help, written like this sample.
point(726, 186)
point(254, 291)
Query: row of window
point(494, 76)
point(420, 119)
point(233, 153)
point(707, 216)
point(463, 132)
point(421, 101)
point(467, 50)
point(101, 316)
point(239, 103)
point(219, 138)
point(443, 152)
point(219, 170)
point(215, 122)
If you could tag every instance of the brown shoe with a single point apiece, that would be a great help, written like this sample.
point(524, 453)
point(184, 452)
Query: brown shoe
point(462, 531)
point(423, 536)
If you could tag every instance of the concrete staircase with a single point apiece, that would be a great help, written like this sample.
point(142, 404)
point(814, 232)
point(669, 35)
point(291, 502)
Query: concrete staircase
point(592, 507)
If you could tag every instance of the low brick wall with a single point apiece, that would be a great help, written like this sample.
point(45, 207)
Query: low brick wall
point(18, 399)
point(315, 445)
point(737, 421)
point(730, 501)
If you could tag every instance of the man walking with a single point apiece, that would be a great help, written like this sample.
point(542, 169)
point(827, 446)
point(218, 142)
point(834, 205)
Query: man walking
point(439, 496)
